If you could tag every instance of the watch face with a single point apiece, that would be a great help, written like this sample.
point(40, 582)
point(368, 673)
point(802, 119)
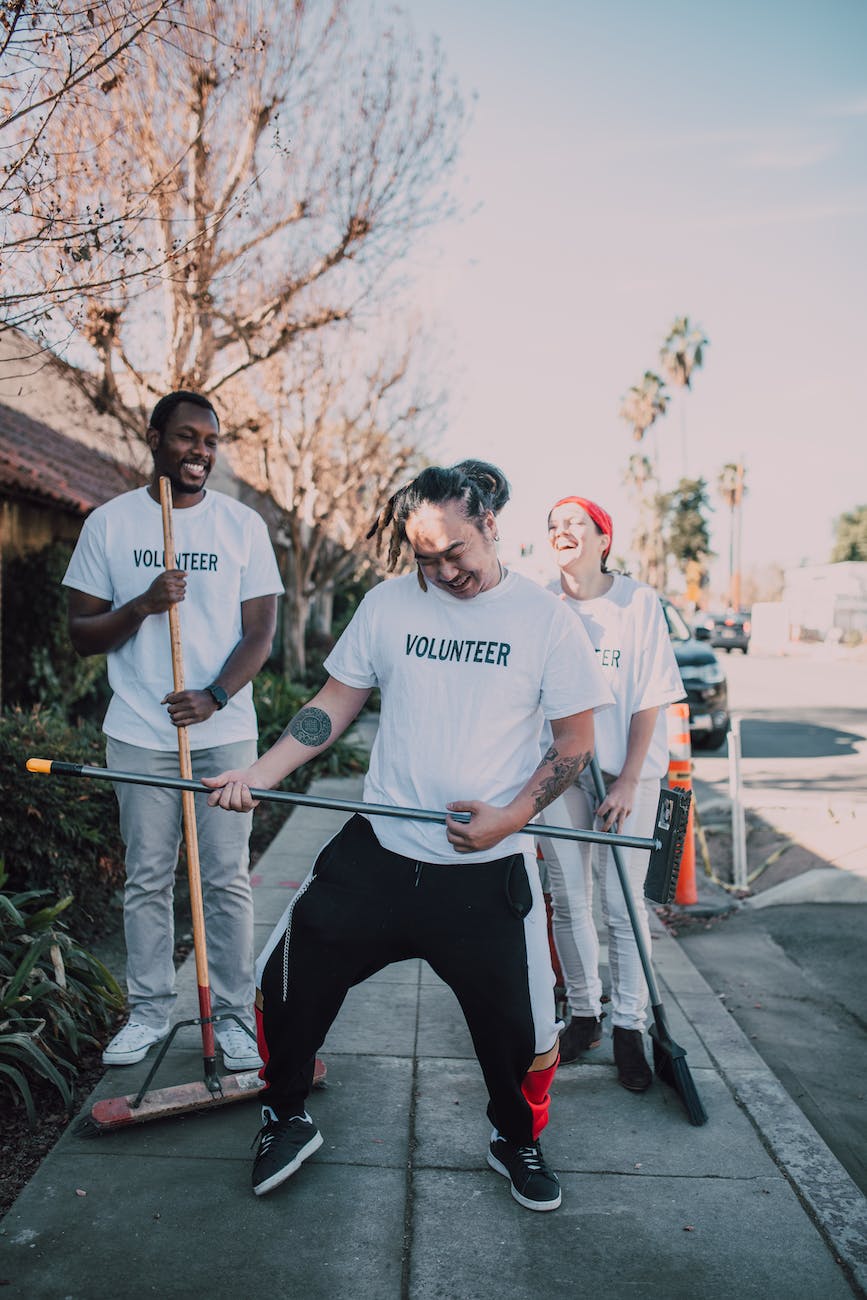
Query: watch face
point(220, 697)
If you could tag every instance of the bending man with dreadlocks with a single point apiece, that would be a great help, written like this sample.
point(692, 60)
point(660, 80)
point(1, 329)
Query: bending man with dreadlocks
point(470, 660)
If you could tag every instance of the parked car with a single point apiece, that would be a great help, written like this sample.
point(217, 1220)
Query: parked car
point(704, 681)
point(726, 631)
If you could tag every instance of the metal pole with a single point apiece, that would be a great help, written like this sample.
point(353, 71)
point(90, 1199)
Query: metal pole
point(59, 768)
point(739, 837)
point(739, 521)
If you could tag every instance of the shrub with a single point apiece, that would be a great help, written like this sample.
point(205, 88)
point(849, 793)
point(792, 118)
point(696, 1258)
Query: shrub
point(39, 664)
point(277, 701)
point(59, 834)
point(54, 996)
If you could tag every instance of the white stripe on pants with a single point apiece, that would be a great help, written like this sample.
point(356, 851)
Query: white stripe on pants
point(151, 822)
point(572, 868)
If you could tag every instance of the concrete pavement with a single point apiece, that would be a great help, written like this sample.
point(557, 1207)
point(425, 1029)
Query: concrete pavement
point(399, 1202)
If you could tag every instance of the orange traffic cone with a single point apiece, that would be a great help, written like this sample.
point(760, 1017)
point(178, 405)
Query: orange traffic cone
point(680, 776)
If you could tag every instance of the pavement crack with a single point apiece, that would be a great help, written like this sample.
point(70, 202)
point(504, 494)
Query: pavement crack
point(409, 1199)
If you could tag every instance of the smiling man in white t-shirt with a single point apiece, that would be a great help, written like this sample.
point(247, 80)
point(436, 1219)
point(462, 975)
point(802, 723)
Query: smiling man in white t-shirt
point(225, 581)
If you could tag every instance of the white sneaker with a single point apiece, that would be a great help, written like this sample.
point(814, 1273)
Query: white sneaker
point(238, 1048)
point(132, 1043)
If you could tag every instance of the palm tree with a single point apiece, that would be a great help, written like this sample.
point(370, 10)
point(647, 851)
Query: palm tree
point(682, 352)
point(647, 542)
point(730, 485)
point(641, 407)
point(644, 403)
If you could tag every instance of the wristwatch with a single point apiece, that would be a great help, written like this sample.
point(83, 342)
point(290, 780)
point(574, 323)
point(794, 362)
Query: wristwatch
point(221, 699)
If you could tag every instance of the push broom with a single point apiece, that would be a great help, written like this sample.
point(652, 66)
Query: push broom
point(669, 1059)
point(665, 849)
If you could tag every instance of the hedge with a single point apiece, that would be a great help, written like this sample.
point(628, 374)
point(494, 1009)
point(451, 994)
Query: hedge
point(55, 834)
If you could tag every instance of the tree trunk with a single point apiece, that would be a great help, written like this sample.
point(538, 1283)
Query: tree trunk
point(323, 611)
point(296, 611)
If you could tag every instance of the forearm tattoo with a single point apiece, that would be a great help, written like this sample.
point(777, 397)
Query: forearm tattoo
point(564, 772)
point(311, 727)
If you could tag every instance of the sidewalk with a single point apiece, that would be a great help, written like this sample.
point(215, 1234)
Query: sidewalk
point(399, 1201)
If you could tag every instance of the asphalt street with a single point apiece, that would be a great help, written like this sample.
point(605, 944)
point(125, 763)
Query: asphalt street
point(804, 731)
point(793, 976)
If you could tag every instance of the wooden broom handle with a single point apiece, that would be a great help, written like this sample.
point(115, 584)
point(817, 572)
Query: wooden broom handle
point(187, 798)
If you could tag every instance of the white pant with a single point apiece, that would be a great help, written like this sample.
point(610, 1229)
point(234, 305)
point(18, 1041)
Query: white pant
point(150, 824)
point(572, 867)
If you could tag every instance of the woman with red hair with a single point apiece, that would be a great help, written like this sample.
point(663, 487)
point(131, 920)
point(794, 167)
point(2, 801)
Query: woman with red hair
point(626, 625)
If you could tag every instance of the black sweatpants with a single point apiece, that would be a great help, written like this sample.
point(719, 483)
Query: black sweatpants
point(364, 907)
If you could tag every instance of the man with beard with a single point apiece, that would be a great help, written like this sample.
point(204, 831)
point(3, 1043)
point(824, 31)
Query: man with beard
point(225, 580)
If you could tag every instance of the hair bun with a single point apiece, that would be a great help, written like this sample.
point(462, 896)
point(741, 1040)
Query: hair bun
point(491, 482)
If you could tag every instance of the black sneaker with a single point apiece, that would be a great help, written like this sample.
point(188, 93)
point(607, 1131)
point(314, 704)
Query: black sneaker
point(581, 1033)
point(534, 1185)
point(284, 1145)
point(633, 1072)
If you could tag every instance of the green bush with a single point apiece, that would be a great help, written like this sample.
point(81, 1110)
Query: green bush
point(58, 833)
point(39, 663)
point(54, 996)
point(277, 701)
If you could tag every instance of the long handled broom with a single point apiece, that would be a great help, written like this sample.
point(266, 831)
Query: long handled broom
point(191, 838)
point(664, 850)
point(669, 1059)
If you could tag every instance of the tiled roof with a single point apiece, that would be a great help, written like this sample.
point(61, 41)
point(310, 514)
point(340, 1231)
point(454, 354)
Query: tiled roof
point(39, 464)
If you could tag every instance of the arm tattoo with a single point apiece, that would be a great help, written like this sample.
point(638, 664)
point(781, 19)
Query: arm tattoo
point(311, 727)
point(564, 772)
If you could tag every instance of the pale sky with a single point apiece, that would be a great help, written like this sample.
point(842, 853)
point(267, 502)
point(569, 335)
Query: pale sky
point(630, 162)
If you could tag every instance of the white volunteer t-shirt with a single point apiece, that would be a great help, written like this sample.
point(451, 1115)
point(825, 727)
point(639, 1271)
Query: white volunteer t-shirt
point(628, 631)
point(466, 687)
point(226, 552)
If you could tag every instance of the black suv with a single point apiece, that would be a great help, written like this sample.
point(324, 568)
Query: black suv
point(704, 682)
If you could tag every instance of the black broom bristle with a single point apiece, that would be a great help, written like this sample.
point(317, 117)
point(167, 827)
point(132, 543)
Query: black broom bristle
point(86, 1127)
point(669, 1061)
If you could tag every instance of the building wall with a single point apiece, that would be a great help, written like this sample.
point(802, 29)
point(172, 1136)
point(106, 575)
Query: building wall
point(820, 597)
point(28, 527)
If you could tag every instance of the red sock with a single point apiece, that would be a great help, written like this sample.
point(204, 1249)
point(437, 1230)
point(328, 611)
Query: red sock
point(260, 1039)
point(535, 1089)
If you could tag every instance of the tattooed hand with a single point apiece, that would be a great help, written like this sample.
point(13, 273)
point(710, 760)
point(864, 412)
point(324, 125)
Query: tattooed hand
point(487, 826)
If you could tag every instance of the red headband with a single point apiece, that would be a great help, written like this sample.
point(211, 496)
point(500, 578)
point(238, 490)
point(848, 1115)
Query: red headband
point(600, 517)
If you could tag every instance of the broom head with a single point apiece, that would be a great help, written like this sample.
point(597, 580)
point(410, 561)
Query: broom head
point(669, 1062)
point(672, 817)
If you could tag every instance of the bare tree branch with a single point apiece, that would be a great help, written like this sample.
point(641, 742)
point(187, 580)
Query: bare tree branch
point(278, 166)
point(333, 439)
